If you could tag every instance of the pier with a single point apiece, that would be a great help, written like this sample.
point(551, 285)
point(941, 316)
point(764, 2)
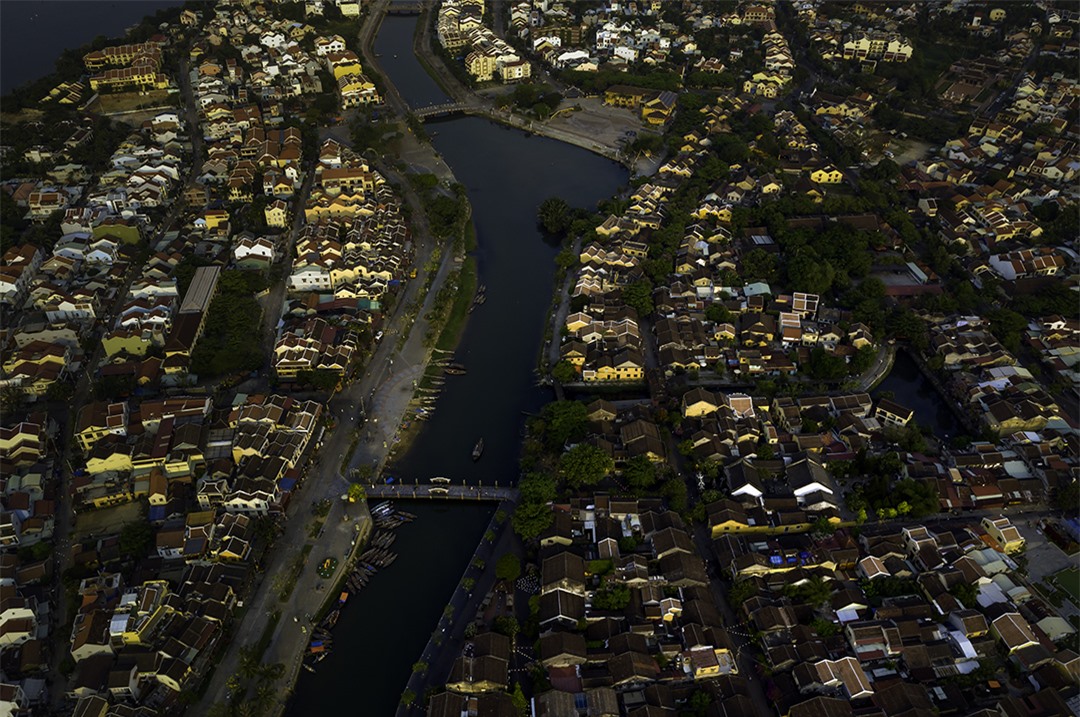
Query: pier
point(439, 490)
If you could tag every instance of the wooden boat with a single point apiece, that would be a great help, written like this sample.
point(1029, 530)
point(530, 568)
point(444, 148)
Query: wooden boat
point(478, 450)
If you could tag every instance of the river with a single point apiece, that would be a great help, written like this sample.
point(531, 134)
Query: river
point(34, 33)
point(910, 388)
point(507, 173)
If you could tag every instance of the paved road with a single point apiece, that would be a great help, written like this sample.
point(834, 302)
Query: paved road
point(558, 320)
point(67, 414)
point(739, 640)
point(383, 393)
point(883, 363)
point(273, 302)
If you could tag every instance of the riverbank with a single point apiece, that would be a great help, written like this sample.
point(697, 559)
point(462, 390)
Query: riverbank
point(328, 481)
point(446, 640)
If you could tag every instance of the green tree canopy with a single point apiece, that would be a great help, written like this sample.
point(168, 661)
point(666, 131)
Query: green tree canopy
point(554, 215)
point(531, 519)
point(564, 372)
point(508, 568)
point(564, 421)
point(136, 539)
point(640, 473)
point(638, 296)
point(537, 488)
point(585, 465)
point(613, 596)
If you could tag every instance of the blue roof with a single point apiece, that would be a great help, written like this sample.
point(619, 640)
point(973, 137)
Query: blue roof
point(287, 484)
point(156, 513)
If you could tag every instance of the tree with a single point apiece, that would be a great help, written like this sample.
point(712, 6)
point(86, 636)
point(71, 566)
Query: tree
point(521, 705)
point(640, 473)
point(815, 591)
point(564, 372)
point(718, 313)
point(821, 528)
point(564, 421)
point(554, 215)
point(638, 296)
point(966, 594)
point(740, 592)
point(136, 539)
point(585, 465)
point(508, 568)
point(674, 490)
point(356, 492)
point(537, 488)
point(1067, 498)
point(863, 359)
point(824, 628)
point(531, 519)
point(613, 596)
point(506, 625)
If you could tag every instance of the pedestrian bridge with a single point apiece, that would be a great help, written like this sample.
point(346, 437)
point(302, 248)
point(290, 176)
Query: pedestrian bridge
point(441, 489)
point(443, 110)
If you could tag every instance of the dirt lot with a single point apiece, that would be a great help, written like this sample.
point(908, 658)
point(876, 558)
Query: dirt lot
point(599, 122)
point(25, 115)
point(128, 101)
point(105, 521)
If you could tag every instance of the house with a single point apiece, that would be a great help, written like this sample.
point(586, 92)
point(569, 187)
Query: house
point(845, 673)
point(277, 214)
point(1013, 632)
point(626, 96)
point(1004, 533)
point(659, 110)
point(699, 402)
point(827, 175)
point(892, 414)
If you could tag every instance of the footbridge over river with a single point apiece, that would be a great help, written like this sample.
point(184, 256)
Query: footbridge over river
point(444, 110)
point(441, 489)
point(404, 8)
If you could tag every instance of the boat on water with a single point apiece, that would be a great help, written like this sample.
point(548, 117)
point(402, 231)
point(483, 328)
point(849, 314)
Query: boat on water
point(454, 369)
point(478, 450)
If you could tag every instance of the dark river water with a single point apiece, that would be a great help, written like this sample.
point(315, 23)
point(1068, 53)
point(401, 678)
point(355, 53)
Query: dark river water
point(33, 33)
point(507, 173)
point(913, 390)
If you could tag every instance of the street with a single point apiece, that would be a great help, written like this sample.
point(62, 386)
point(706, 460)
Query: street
point(67, 415)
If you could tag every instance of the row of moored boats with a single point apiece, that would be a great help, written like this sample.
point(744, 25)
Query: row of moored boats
point(377, 556)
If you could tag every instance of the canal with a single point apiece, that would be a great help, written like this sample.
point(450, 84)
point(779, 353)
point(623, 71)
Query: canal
point(910, 388)
point(507, 173)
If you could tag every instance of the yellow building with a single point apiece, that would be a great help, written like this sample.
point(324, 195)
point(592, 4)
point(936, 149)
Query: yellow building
point(132, 343)
point(626, 96)
point(827, 175)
